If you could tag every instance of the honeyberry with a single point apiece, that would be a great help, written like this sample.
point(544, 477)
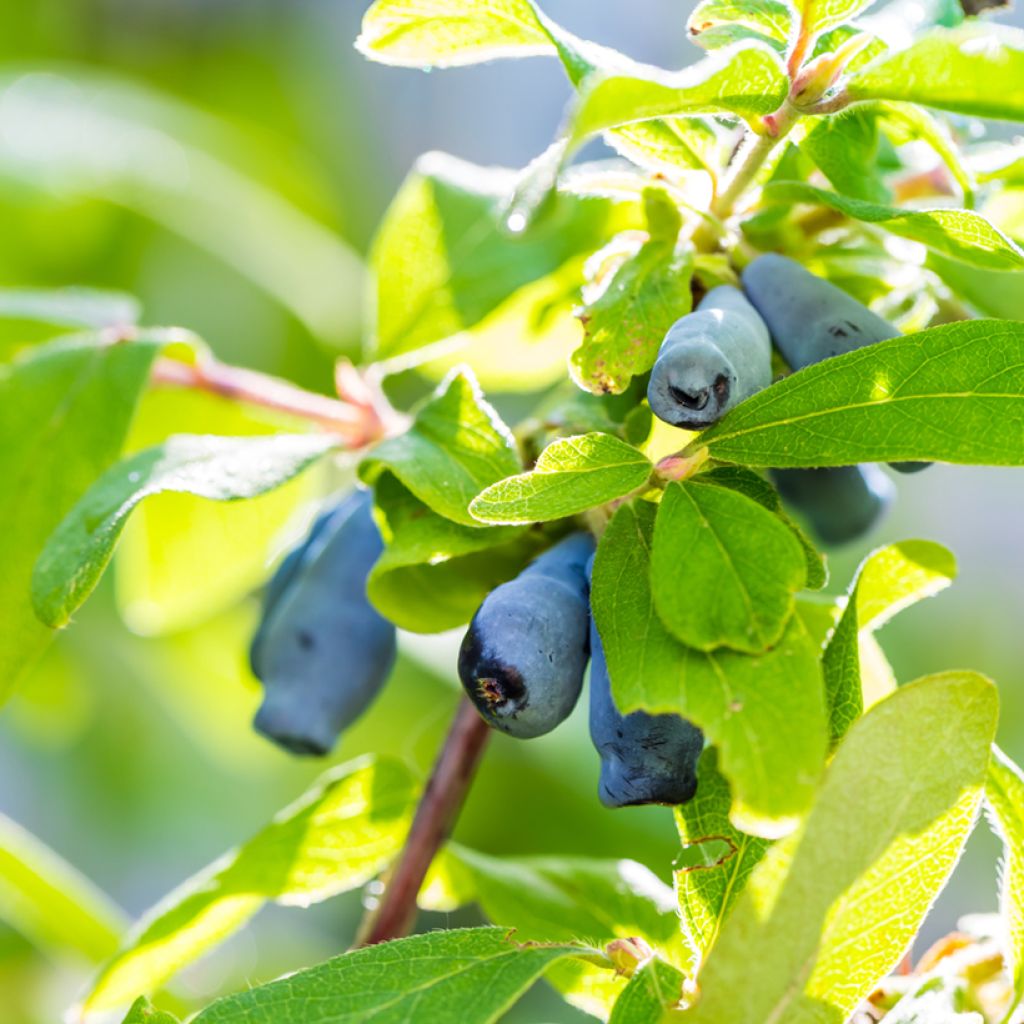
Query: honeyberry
point(841, 503)
point(810, 319)
point(322, 651)
point(645, 759)
point(711, 360)
point(523, 657)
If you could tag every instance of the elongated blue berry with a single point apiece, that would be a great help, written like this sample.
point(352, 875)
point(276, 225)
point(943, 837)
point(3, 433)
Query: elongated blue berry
point(645, 759)
point(810, 319)
point(841, 503)
point(322, 651)
point(711, 360)
point(523, 657)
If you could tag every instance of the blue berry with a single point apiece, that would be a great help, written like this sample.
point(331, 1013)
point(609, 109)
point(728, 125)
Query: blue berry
point(711, 360)
point(322, 651)
point(523, 658)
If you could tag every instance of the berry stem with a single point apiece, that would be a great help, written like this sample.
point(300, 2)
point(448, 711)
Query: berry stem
point(445, 792)
point(359, 424)
point(750, 158)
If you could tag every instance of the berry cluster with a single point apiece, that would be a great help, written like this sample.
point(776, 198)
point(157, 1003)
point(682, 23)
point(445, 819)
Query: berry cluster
point(323, 652)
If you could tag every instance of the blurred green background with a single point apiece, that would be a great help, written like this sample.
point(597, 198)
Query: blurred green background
point(226, 162)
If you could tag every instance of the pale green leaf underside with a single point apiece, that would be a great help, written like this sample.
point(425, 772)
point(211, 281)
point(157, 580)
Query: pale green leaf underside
point(744, 79)
point(456, 447)
point(832, 909)
point(50, 903)
point(336, 837)
point(449, 33)
point(953, 393)
point(962, 234)
point(765, 713)
point(571, 475)
point(1004, 794)
point(817, 16)
point(461, 976)
point(218, 468)
point(724, 569)
point(976, 69)
point(771, 18)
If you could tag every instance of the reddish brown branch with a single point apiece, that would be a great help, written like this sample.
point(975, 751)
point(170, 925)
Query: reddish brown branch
point(438, 810)
point(358, 424)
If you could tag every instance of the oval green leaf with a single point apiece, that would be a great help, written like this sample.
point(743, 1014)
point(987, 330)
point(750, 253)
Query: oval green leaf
point(723, 569)
point(953, 393)
point(572, 475)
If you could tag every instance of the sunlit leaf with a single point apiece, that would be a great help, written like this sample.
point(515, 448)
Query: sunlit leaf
point(946, 394)
point(962, 234)
point(766, 713)
point(461, 976)
point(457, 445)
point(831, 910)
point(975, 69)
point(336, 837)
point(571, 475)
point(888, 580)
point(218, 468)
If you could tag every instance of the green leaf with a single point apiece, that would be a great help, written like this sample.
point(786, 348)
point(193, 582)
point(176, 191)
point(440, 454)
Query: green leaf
point(962, 234)
point(626, 315)
point(831, 910)
point(845, 148)
point(765, 714)
point(219, 468)
point(335, 838)
point(975, 69)
point(456, 447)
point(433, 573)
point(69, 405)
point(86, 308)
point(655, 988)
point(55, 907)
point(462, 976)
point(143, 1012)
point(443, 259)
point(723, 569)
point(754, 486)
point(669, 145)
point(1004, 795)
point(717, 859)
point(450, 33)
point(817, 16)
point(563, 899)
point(946, 394)
point(571, 475)
point(770, 18)
point(171, 540)
point(745, 79)
point(888, 580)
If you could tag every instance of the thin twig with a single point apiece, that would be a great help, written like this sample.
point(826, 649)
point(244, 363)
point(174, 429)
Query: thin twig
point(395, 913)
point(358, 424)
